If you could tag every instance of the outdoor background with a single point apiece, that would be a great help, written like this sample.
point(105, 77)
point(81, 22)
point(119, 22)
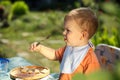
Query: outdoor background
point(25, 21)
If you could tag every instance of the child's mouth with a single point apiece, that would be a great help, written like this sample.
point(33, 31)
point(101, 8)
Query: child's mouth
point(65, 39)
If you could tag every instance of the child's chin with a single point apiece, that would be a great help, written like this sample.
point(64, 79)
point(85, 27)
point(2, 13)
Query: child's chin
point(68, 44)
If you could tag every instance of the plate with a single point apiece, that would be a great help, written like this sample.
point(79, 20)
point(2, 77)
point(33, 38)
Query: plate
point(29, 72)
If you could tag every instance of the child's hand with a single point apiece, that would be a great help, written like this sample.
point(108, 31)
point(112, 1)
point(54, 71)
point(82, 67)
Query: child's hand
point(45, 51)
point(35, 46)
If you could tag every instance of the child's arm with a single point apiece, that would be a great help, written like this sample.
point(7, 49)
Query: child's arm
point(45, 51)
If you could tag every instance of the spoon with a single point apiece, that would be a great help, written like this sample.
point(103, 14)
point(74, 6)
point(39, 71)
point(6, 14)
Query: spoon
point(43, 39)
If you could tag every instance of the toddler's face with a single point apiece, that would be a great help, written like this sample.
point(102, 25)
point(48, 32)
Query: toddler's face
point(72, 33)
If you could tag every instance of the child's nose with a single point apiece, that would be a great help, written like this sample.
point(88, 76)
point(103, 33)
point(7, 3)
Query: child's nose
point(64, 32)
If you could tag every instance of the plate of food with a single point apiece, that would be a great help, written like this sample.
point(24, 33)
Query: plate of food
point(29, 72)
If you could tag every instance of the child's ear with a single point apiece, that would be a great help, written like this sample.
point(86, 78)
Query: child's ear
point(84, 34)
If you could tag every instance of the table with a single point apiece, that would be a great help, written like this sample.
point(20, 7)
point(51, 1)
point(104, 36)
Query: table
point(19, 61)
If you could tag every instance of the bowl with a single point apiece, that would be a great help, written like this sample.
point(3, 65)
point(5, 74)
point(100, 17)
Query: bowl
point(29, 72)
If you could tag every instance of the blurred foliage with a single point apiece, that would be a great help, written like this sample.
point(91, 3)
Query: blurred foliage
point(79, 76)
point(7, 4)
point(88, 2)
point(109, 24)
point(19, 8)
point(110, 8)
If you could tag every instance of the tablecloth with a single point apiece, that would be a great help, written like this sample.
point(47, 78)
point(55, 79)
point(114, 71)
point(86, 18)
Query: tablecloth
point(19, 61)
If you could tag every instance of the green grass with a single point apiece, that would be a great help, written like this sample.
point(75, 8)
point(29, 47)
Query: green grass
point(26, 29)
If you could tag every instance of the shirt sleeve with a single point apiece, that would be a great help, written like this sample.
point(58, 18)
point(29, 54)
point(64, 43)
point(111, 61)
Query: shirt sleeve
point(59, 53)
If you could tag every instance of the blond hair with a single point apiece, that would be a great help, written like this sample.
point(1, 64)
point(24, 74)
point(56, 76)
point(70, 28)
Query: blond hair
point(85, 18)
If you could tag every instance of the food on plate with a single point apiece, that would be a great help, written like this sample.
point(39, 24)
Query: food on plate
point(29, 72)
